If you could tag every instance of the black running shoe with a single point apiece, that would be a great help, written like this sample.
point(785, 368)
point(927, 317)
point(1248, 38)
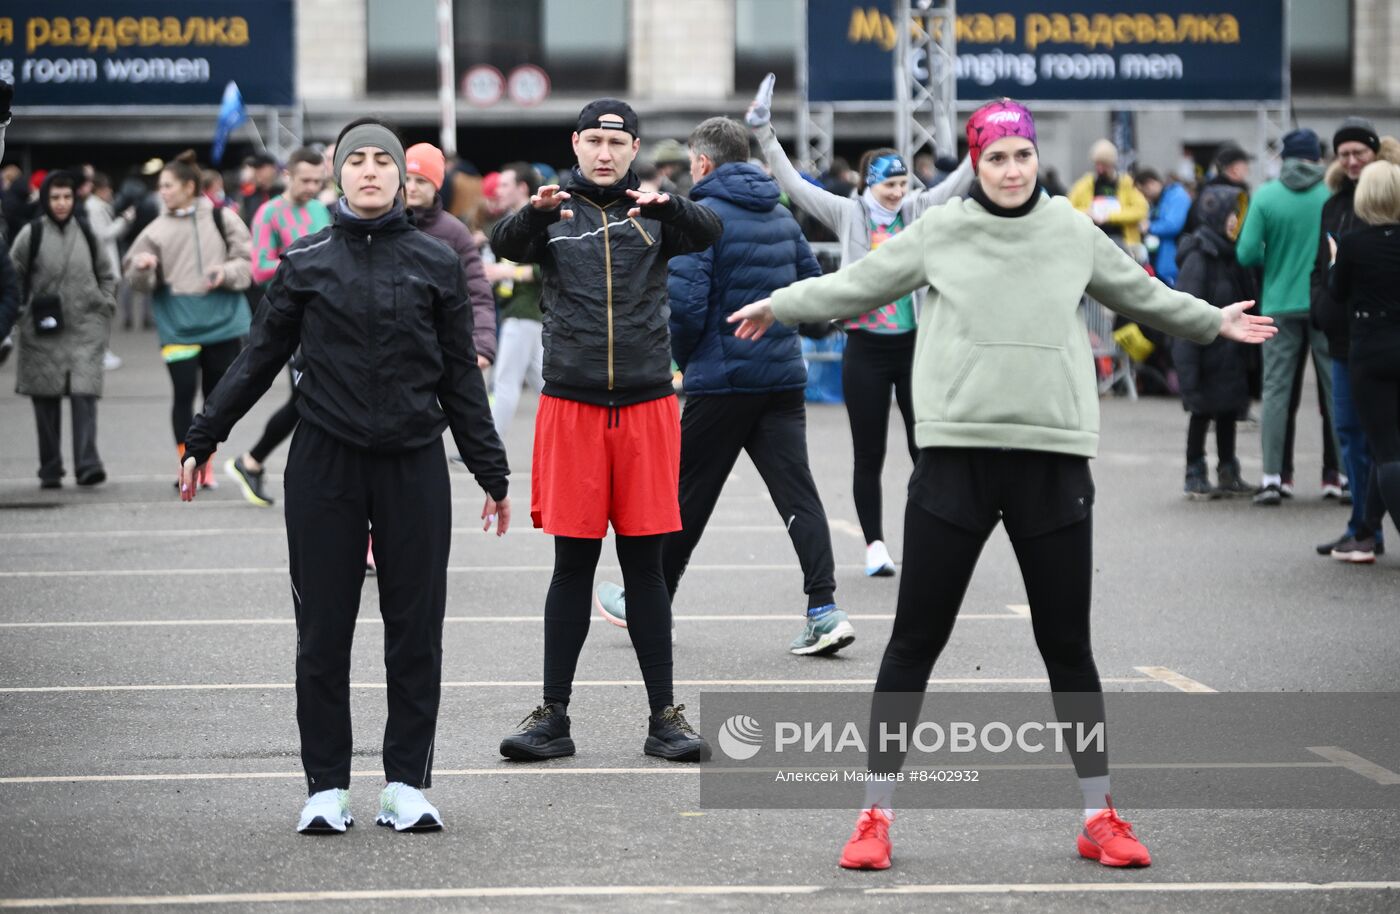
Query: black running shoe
point(543, 734)
point(1327, 547)
point(670, 736)
point(251, 483)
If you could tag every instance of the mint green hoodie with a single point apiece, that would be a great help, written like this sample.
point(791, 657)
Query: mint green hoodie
point(1280, 231)
point(1002, 358)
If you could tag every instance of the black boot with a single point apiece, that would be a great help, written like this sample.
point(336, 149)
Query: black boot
point(1230, 484)
point(1197, 486)
point(543, 734)
point(670, 736)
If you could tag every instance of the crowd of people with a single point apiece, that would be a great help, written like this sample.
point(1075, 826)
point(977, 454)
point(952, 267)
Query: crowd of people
point(390, 283)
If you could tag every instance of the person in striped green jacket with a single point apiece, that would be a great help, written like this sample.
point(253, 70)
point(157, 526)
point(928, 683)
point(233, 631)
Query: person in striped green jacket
point(278, 223)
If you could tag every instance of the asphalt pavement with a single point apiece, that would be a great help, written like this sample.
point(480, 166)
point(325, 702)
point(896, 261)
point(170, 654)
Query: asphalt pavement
point(149, 752)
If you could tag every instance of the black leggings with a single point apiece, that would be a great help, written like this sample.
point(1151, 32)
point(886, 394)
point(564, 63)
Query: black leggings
point(569, 607)
point(874, 363)
point(203, 372)
point(1375, 390)
point(1224, 437)
point(278, 429)
point(1057, 568)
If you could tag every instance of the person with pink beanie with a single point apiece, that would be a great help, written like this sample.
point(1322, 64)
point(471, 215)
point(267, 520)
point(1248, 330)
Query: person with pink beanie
point(426, 169)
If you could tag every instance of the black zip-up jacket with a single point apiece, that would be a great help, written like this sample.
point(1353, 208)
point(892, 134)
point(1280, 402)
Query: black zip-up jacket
point(384, 322)
point(607, 337)
point(1329, 315)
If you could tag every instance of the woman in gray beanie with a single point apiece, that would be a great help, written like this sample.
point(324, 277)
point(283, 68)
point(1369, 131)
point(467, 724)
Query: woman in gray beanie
point(381, 313)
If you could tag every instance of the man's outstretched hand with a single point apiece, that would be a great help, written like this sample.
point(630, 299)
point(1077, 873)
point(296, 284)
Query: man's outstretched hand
point(641, 200)
point(549, 198)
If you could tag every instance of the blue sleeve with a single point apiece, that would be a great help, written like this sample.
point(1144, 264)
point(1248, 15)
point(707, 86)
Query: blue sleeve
point(688, 287)
point(807, 264)
point(1171, 216)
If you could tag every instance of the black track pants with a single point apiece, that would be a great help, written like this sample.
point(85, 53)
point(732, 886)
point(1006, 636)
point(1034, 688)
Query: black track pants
point(333, 493)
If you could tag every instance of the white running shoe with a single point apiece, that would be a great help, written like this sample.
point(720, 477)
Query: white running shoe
point(326, 812)
point(878, 563)
point(406, 809)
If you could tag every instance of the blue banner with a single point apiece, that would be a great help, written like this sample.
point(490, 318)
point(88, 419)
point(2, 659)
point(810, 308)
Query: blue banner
point(148, 52)
point(1084, 50)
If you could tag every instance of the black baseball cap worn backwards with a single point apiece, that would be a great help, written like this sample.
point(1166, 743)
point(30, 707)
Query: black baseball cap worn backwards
point(608, 114)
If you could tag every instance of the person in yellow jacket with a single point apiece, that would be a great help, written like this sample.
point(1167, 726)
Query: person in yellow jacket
point(1109, 198)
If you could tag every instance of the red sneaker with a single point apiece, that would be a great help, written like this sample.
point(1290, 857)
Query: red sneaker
point(1109, 840)
point(869, 846)
point(207, 479)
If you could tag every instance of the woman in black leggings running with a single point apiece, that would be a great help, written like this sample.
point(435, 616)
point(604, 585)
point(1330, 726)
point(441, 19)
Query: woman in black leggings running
point(1006, 418)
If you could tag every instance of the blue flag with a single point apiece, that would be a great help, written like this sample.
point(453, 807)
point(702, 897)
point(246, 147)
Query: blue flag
point(231, 114)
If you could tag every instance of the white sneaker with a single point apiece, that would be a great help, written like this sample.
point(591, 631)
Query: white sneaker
point(406, 809)
point(878, 563)
point(326, 812)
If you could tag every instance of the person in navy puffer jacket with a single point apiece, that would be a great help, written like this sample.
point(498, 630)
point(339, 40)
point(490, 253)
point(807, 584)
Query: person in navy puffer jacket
point(742, 396)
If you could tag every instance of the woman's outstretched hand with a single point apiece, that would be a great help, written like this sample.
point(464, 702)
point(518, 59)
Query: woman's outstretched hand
point(1236, 325)
point(753, 320)
point(189, 475)
point(760, 111)
point(498, 511)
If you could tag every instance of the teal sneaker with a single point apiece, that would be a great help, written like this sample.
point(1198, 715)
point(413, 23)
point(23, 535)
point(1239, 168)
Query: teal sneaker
point(824, 634)
point(611, 601)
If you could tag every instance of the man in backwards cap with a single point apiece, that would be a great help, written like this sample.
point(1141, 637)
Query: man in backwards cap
point(607, 434)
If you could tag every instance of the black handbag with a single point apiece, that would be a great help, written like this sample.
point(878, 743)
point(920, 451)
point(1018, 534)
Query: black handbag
point(48, 314)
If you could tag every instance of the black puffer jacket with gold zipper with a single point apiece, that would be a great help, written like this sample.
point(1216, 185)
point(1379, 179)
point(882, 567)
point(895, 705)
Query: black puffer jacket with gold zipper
point(606, 320)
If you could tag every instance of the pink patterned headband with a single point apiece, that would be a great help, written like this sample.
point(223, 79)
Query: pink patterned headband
point(995, 120)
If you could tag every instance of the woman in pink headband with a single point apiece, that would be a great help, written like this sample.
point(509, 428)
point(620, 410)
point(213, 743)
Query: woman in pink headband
point(1006, 419)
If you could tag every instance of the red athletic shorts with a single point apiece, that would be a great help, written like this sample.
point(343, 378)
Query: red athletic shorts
point(595, 464)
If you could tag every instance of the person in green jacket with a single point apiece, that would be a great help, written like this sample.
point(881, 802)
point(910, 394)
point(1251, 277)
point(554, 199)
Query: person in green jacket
point(1280, 232)
point(1006, 418)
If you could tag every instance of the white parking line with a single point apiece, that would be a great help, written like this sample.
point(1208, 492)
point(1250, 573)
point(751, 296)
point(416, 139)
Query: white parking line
point(693, 891)
point(457, 569)
point(1174, 679)
point(509, 769)
point(848, 528)
point(505, 768)
point(1066, 888)
point(397, 894)
point(524, 683)
point(1353, 762)
point(279, 530)
point(538, 618)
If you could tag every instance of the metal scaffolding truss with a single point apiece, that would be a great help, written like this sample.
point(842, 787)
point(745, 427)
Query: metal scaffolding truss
point(925, 81)
point(925, 76)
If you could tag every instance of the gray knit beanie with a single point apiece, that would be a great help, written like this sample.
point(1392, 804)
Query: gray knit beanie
point(376, 135)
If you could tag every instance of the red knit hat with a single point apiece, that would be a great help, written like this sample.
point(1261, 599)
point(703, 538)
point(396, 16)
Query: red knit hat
point(426, 160)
